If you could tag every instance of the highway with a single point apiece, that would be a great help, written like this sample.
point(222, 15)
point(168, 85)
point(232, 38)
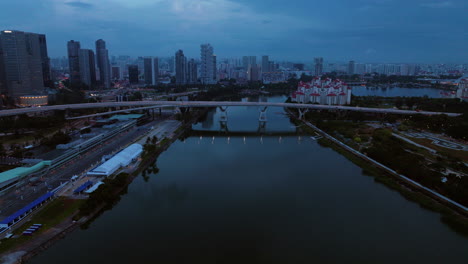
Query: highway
point(14, 200)
point(159, 104)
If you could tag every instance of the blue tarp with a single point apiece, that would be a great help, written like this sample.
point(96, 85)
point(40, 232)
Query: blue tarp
point(25, 209)
point(83, 187)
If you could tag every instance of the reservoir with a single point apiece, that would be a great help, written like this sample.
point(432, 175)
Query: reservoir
point(281, 198)
point(399, 91)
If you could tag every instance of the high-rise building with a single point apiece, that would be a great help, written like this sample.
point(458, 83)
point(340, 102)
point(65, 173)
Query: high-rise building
point(249, 61)
point(155, 70)
point(73, 48)
point(208, 65)
point(115, 72)
point(21, 67)
point(253, 73)
point(214, 69)
point(351, 68)
point(45, 61)
point(87, 67)
point(265, 64)
point(148, 70)
point(180, 67)
point(192, 72)
point(103, 64)
point(318, 66)
point(133, 74)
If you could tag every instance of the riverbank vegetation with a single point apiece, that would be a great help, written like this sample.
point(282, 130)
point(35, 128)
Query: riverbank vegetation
point(106, 194)
point(456, 222)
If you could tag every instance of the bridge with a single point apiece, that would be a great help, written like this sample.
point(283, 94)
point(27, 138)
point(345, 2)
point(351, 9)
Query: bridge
point(190, 104)
point(214, 133)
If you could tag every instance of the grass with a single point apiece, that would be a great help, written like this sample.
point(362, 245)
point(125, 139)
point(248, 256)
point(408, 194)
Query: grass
point(51, 215)
point(460, 154)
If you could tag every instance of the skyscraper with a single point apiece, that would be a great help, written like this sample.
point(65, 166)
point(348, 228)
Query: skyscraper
point(249, 61)
point(73, 48)
point(115, 72)
point(208, 65)
point(155, 70)
point(192, 72)
point(180, 67)
point(133, 74)
point(148, 70)
point(21, 68)
point(87, 67)
point(265, 64)
point(318, 66)
point(103, 63)
point(45, 61)
point(253, 73)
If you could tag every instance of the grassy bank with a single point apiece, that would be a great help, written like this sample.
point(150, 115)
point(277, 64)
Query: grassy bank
point(456, 222)
point(60, 209)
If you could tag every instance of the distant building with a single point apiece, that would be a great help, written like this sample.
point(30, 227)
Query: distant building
point(265, 64)
point(115, 73)
point(318, 66)
point(192, 77)
point(253, 73)
point(22, 59)
point(181, 66)
point(73, 48)
point(103, 64)
point(208, 65)
point(87, 67)
point(155, 70)
point(148, 70)
point(462, 91)
point(323, 91)
point(248, 61)
point(298, 66)
point(274, 77)
point(133, 74)
point(351, 68)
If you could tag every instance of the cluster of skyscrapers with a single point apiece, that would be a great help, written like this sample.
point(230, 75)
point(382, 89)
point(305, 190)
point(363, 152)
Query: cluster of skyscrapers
point(89, 69)
point(186, 71)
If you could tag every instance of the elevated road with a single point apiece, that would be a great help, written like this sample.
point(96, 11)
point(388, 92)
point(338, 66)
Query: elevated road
point(159, 104)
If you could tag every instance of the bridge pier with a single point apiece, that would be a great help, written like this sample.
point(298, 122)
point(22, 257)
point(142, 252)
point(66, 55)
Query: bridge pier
point(302, 112)
point(262, 117)
point(223, 118)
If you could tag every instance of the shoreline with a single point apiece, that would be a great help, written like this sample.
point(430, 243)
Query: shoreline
point(454, 216)
point(42, 242)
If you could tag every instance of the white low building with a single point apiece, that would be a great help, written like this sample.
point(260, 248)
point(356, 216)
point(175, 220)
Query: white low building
point(323, 91)
point(119, 160)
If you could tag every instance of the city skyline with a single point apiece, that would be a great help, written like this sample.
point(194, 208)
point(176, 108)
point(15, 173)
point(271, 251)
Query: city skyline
point(381, 31)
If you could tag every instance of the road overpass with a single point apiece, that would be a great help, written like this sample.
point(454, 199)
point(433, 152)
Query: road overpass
point(189, 104)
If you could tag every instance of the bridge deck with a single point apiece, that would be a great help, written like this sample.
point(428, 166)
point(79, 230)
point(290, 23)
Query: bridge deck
point(158, 104)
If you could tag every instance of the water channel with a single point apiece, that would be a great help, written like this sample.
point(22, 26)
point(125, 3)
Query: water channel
point(259, 200)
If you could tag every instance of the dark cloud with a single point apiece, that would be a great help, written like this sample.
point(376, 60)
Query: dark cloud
point(79, 4)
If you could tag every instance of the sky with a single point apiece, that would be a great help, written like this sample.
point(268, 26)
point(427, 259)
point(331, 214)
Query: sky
point(393, 31)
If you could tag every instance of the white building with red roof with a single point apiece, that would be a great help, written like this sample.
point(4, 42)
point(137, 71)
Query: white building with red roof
point(323, 91)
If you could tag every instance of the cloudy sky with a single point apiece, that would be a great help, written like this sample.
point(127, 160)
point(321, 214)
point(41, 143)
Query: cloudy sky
point(341, 30)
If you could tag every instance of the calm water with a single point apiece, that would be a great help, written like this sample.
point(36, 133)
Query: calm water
point(397, 91)
point(262, 200)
